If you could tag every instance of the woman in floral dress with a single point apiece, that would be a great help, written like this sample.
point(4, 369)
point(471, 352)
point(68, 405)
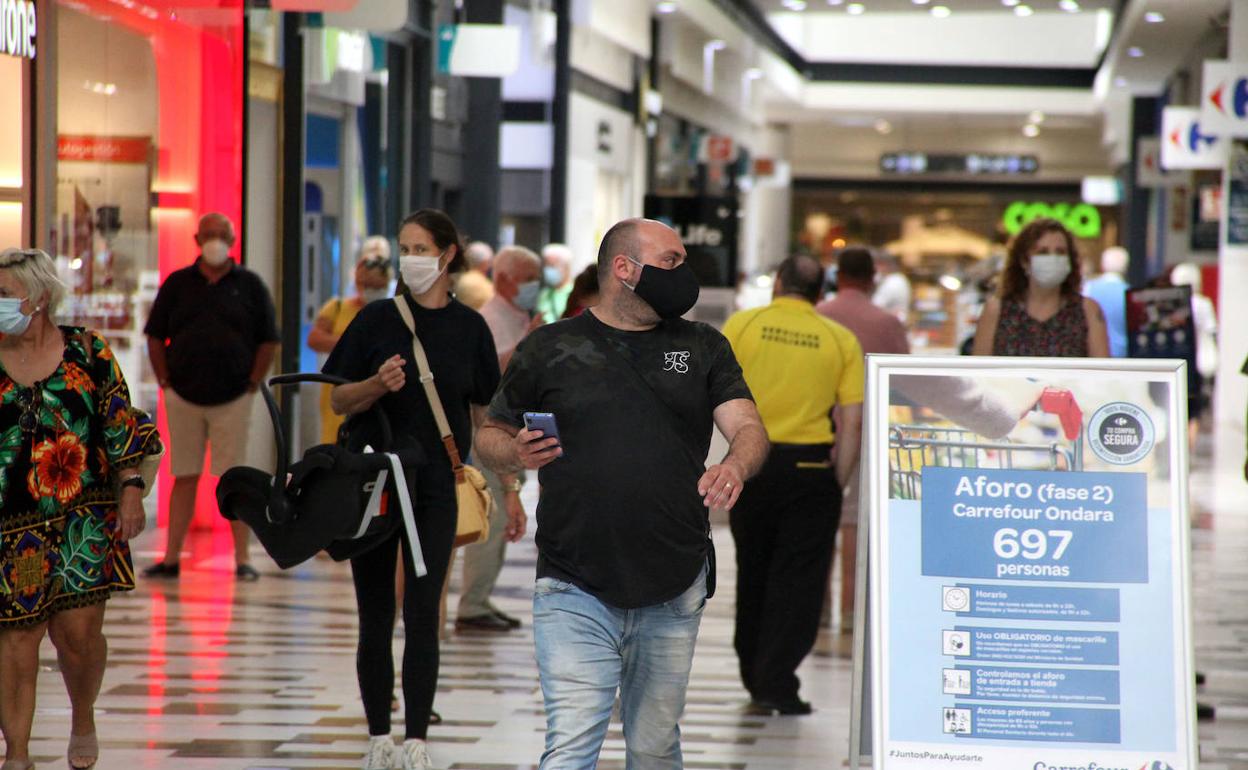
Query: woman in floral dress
point(70, 499)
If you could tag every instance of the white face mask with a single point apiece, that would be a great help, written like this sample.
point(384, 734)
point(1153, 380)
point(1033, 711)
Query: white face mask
point(1048, 271)
point(215, 252)
point(420, 273)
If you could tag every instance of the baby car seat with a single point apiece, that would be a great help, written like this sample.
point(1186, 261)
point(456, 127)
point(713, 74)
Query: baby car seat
point(336, 498)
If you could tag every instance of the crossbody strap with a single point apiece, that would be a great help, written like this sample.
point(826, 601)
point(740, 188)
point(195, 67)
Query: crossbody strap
point(431, 392)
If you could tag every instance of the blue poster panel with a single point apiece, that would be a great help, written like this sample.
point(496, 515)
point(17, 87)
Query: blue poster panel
point(1028, 547)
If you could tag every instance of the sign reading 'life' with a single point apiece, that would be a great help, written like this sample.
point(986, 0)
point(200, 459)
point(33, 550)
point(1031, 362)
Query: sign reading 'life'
point(17, 28)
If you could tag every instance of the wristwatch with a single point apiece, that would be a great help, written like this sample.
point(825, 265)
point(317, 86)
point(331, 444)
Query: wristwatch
point(135, 481)
point(513, 486)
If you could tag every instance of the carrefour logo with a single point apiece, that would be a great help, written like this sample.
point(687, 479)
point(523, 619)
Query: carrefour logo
point(1239, 98)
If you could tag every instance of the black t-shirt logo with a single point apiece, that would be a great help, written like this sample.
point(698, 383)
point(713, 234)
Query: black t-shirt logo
point(676, 361)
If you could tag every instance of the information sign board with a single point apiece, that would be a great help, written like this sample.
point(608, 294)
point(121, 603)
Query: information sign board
point(1028, 564)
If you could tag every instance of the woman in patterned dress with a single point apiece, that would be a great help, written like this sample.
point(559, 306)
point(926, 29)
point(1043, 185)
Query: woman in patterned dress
point(70, 499)
point(1039, 310)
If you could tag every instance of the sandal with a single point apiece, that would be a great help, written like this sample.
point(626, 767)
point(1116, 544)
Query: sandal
point(83, 746)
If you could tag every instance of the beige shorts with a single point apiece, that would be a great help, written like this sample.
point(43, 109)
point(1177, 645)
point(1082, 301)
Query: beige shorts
point(194, 428)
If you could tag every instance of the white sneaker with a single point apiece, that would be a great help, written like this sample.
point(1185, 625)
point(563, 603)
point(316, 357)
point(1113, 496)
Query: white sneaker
point(416, 755)
point(382, 753)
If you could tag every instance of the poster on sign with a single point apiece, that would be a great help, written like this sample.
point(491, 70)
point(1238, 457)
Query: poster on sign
point(1224, 98)
point(1185, 142)
point(1028, 545)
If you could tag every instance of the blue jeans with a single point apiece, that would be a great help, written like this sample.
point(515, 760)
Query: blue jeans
point(587, 650)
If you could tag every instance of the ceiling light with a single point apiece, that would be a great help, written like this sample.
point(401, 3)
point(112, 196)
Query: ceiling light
point(1154, 17)
point(1135, 52)
point(835, 2)
point(1031, 130)
point(1120, 82)
point(1023, 10)
point(1010, 3)
point(665, 7)
point(794, 5)
point(920, 2)
point(950, 282)
point(941, 11)
point(753, 73)
point(1036, 116)
point(1069, 6)
point(855, 9)
point(883, 126)
point(715, 45)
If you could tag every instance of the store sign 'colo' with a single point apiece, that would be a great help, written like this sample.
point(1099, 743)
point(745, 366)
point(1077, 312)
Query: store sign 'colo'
point(1081, 219)
point(17, 28)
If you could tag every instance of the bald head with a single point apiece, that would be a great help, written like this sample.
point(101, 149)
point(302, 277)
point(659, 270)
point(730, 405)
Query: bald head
point(214, 225)
point(800, 276)
point(1114, 260)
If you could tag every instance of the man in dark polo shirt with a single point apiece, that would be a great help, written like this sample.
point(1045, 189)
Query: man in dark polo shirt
point(625, 563)
point(211, 338)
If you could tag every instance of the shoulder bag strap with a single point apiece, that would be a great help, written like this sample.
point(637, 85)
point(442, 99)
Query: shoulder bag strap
point(431, 392)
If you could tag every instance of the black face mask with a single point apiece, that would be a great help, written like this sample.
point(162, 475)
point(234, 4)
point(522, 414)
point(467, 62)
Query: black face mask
point(671, 293)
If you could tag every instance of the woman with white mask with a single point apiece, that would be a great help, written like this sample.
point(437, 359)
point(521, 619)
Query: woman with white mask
point(375, 355)
point(372, 282)
point(1039, 310)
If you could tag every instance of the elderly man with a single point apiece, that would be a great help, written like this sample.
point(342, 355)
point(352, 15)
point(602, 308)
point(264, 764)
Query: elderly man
point(800, 366)
point(473, 287)
point(556, 280)
point(211, 337)
point(1109, 289)
point(877, 331)
point(625, 560)
point(509, 315)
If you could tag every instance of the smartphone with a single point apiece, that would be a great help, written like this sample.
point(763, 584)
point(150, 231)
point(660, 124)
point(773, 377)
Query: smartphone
point(545, 422)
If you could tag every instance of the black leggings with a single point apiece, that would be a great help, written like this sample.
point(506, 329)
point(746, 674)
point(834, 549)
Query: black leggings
point(373, 573)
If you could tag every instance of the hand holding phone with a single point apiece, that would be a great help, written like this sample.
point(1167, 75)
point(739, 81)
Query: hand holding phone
point(539, 442)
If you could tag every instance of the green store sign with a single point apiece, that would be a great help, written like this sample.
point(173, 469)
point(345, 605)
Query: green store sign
point(1081, 219)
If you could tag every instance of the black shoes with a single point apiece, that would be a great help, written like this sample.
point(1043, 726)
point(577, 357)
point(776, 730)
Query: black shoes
point(246, 573)
point(794, 707)
point(495, 622)
point(162, 570)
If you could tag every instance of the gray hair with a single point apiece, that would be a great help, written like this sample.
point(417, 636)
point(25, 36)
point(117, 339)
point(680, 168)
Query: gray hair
point(511, 258)
point(478, 253)
point(36, 271)
point(559, 252)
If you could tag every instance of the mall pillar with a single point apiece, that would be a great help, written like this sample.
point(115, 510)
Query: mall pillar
point(1231, 398)
point(1144, 122)
point(483, 175)
point(559, 119)
point(293, 147)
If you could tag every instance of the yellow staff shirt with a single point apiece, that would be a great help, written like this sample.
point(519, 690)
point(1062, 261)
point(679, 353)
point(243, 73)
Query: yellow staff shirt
point(798, 365)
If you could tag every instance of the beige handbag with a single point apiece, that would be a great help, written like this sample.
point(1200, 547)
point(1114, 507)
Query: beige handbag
point(471, 490)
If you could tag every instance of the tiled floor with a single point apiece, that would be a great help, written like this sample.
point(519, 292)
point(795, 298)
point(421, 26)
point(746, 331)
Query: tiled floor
point(204, 673)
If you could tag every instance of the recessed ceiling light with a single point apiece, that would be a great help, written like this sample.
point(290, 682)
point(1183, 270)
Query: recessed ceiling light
point(1031, 130)
point(1036, 116)
point(1010, 3)
point(1069, 6)
point(835, 2)
point(1120, 82)
point(855, 9)
point(1153, 17)
point(794, 5)
point(1023, 10)
point(920, 2)
point(1135, 52)
point(665, 7)
point(883, 126)
point(941, 11)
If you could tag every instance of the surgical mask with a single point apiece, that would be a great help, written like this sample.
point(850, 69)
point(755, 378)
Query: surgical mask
point(671, 293)
point(420, 273)
point(526, 295)
point(12, 320)
point(372, 295)
point(215, 252)
point(1049, 270)
point(552, 276)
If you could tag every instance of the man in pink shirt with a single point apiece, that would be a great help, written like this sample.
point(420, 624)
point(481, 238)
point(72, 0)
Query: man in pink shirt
point(878, 331)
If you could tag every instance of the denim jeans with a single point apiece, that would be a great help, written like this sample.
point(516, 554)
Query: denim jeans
point(587, 650)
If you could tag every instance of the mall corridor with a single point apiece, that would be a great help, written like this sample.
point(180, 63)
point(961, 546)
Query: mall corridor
point(209, 674)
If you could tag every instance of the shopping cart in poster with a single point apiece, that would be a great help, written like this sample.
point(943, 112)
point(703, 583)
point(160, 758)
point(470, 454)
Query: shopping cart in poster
point(912, 447)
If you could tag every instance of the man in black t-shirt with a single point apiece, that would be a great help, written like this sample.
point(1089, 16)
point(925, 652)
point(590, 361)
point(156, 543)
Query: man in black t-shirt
point(625, 561)
point(211, 337)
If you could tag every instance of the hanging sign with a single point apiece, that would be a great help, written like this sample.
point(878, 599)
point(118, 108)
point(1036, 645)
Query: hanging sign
point(1028, 565)
point(1187, 143)
point(1224, 98)
point(478, 50)
point(18, 25)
